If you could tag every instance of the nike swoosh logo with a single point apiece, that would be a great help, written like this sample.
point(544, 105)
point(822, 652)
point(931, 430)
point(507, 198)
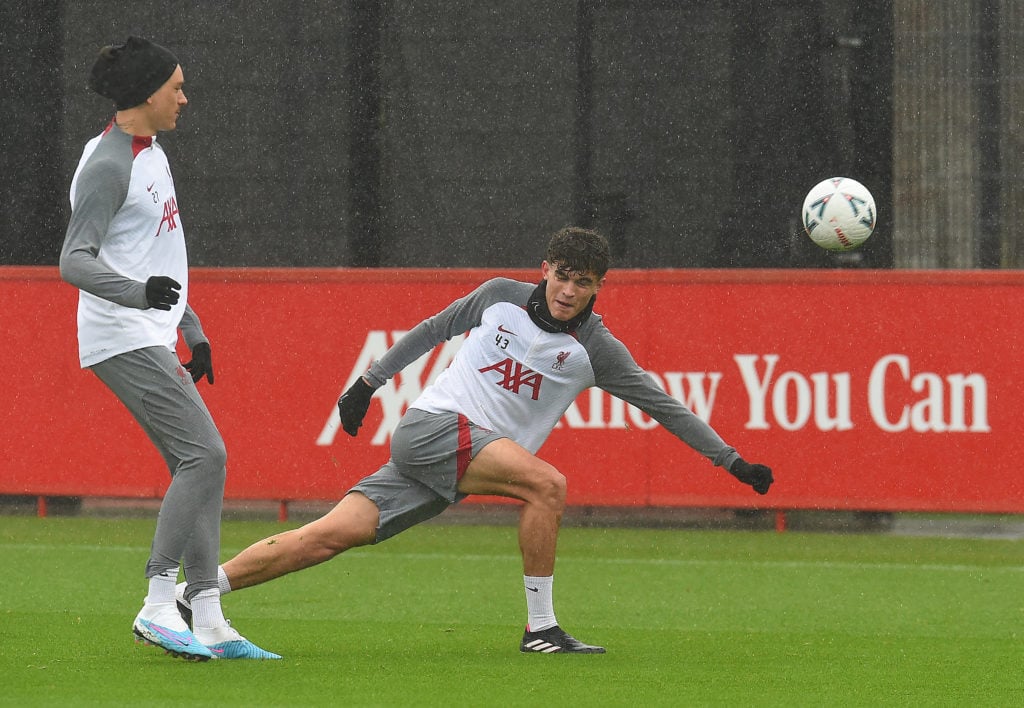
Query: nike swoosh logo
point(529, 588)
point(501, 328)
point(150, 187)
point(174, 637)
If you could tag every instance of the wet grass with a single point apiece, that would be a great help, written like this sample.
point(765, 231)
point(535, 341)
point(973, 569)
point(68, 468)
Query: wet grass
point(434, 617)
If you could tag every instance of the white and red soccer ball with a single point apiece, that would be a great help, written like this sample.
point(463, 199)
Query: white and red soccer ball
point(839, 214)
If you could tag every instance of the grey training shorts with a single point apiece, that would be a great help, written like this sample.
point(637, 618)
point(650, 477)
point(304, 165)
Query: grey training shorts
point(429, 454)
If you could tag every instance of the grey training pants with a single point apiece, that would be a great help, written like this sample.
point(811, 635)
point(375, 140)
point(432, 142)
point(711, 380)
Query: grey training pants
point(160, 394)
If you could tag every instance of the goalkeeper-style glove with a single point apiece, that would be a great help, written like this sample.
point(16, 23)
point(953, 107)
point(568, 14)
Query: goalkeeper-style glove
point(757, 476)
point(353, 405)
point(201, 364)
point(162, 292)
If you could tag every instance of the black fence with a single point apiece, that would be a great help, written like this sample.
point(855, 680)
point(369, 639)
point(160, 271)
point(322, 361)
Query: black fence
point(378, 133)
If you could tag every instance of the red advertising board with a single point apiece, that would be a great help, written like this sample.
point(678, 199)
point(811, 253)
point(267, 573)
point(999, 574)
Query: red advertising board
point(870, 390)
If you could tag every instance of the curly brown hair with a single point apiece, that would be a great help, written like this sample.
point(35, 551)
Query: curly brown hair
point(578, 250)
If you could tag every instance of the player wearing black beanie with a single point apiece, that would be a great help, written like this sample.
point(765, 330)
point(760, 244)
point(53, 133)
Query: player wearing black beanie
point(125, 251)
point(130, 73)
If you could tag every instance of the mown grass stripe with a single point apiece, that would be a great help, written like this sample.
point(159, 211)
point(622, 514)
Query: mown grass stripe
point(490, 558)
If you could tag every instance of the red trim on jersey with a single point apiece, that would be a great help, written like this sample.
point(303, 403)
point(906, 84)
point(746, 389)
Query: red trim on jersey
point(140, 143)
point(464, 451)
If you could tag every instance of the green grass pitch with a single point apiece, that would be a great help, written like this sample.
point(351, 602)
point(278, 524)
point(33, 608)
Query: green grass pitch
point(434, 617)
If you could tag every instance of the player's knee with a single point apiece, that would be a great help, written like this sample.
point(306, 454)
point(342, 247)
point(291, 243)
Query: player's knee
point(331, 539)
point(218, 454)
point(207, 463)
point(337, 544)
point(212, 457)
point(550, 487)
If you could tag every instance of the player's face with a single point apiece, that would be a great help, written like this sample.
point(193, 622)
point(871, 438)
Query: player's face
point(568, 292)
point(165, 105)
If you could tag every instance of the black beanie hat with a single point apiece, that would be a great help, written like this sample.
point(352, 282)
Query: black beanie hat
point(130, 73)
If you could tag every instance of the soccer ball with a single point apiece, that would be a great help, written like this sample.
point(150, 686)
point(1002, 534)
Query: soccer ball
point(839, 214)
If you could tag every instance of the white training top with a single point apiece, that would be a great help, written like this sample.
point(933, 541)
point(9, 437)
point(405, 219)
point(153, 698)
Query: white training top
point(516, 378)
point(124, 228)
point(511, 375)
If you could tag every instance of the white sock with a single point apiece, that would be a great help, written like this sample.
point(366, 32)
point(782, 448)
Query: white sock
point(539, 605)
point(206, 611)
point(223, 586)
point(161, 587)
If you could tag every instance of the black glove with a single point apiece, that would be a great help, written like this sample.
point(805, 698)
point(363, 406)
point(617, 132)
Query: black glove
point(201, 365)
point(353, 405)
point(162, 292)
point(757, 476)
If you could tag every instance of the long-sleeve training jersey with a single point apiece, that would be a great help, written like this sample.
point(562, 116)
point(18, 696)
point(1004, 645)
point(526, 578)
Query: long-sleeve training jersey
point(515, 378)
point(124, 228)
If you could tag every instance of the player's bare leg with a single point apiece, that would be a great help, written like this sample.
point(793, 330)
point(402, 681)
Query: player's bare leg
point(504, 468)
point(352, 522)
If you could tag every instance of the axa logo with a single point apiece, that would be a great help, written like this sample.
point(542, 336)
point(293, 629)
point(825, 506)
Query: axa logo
point(514, 376)
point(170, 217)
